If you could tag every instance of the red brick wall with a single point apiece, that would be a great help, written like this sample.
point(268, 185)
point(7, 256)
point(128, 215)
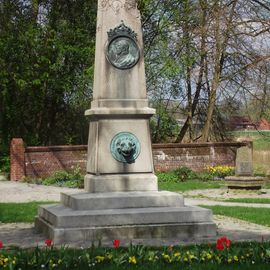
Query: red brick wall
point(43, 161)
point(17, 167)
point(196, 156)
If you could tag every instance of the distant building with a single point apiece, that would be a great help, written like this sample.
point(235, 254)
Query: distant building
point(263, 124)
point(242, 122)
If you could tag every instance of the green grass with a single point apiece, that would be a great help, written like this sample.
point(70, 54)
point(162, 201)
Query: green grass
point(262, 143)
point(255, 215)
point(19, 212)
point(189, 185)
point(266, 185)
point(249, 200)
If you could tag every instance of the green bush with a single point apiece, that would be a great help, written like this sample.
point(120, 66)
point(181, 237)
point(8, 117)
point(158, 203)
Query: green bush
point(180, 174)
point(5, 164)
point(167, 177)
point(72, 179)
point(184, 174)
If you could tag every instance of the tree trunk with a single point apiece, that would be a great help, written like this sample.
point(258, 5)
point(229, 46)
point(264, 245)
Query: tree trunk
point(193, 104)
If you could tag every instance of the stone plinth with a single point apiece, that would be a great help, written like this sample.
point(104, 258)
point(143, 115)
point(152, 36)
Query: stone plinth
point(90, 217)
point(244, 182)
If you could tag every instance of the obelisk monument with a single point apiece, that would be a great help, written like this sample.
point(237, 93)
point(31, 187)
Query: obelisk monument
point(121, 199)
point(119, 150)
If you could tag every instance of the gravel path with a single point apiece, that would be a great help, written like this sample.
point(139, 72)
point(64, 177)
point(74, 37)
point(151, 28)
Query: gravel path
point(22, 234)
point(23, 192)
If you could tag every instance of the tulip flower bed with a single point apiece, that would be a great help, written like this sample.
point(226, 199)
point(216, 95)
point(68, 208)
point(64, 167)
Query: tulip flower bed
point(222, 255)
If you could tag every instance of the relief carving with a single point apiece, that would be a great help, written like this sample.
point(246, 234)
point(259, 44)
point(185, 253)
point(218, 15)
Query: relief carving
point(116, 5)
point(129, 4)
point(125, 147)
point(103, 4)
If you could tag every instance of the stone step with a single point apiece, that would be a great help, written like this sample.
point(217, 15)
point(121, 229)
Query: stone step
point(63, 217)
point(86, 235)
point(120, 200)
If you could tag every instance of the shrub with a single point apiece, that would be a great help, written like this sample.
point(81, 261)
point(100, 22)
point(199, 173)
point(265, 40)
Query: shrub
point(73, 179)
point(5, 164)
point(180, 174)
point(167, 177)
point(184, 174)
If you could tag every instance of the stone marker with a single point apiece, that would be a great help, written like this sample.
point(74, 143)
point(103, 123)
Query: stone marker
point(243, 163)
point(121, 198)
point(244, 177)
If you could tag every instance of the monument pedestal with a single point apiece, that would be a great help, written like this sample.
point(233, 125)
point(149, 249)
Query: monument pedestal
point(86, 217)
point(122, 199)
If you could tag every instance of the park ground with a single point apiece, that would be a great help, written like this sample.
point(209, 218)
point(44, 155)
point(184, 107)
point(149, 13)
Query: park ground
point(233, 212)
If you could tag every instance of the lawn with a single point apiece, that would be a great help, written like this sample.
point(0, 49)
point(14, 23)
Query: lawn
point(255, 215)
point(249, 200)
point(189, 185)
point(19, 212)
point(266, 185)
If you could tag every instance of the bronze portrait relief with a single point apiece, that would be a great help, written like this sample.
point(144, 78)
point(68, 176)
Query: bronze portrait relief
point(122, 49)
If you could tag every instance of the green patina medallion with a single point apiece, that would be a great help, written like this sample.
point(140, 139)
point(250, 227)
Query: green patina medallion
point(122, 49)
point(125, 147)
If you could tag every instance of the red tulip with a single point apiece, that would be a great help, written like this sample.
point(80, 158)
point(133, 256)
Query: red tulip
point(223, 242)
point(116, 243)
point(1, 244)
point(219, 246)
point(48, 242)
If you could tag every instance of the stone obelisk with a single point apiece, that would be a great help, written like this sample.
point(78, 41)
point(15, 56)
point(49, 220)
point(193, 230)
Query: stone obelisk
point(119, 148)
point(121, 199)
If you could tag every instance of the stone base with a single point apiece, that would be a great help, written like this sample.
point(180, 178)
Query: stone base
point(86, 217)
point(244, 182)
point(120, 182)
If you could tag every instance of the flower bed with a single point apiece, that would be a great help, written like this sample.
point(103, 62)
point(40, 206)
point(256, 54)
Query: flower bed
point(223, 253)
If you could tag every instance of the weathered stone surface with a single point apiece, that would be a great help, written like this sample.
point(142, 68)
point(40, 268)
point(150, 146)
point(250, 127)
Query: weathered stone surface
point(100, 158)
point(87, 235)
point(244, 165)
point(245, 182)
point(65, 225)
point(244, 178)
point(64, 217)
point(120, 182)
point(118, 200)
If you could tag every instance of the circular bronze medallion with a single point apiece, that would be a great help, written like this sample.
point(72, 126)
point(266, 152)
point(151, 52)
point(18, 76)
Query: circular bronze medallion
point(125, 147)
point(123, 52)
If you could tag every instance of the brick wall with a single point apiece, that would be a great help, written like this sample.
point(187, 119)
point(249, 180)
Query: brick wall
point(43, 161)
point(17, 162)
point(196, 156)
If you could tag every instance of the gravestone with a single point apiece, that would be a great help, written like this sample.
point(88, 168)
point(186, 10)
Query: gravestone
point(121, 198)
point(243, 163)
point(244, 177)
